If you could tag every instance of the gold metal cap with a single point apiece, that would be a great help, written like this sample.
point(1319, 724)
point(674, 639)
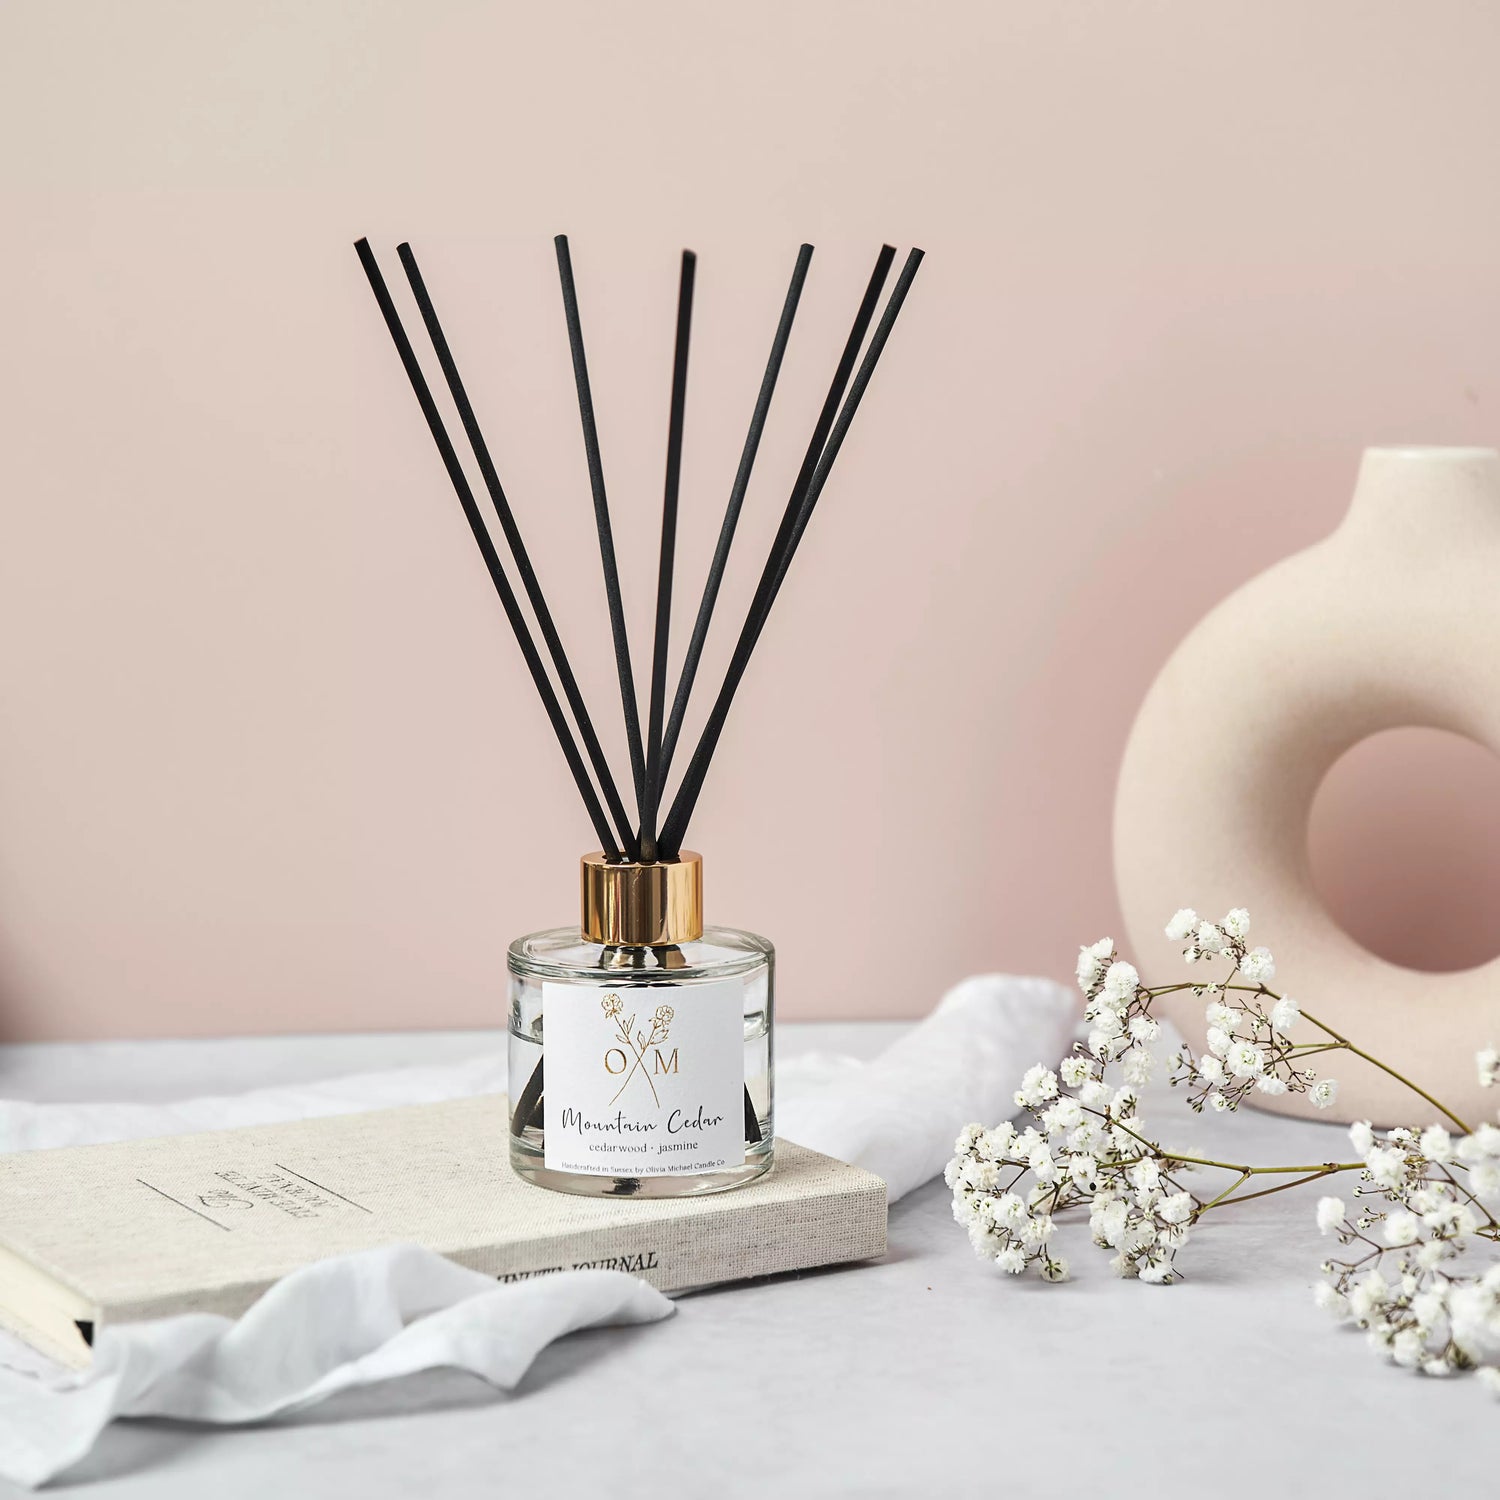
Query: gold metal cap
point(642, 906)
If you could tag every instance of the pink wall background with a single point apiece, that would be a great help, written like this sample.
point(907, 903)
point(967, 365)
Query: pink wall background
point(268, 757)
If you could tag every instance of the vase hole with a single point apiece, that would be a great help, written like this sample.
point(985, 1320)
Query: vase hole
point(1404, 845)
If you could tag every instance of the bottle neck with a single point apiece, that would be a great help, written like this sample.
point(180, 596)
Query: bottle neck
point(637, 905)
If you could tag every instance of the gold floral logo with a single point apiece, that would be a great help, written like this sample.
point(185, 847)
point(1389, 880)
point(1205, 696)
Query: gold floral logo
point(639, 1053)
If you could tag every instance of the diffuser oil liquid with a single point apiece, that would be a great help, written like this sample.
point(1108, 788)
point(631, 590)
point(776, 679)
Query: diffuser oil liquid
point(641, 1070)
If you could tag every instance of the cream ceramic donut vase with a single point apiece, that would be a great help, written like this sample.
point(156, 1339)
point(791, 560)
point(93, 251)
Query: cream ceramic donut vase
point(1393, 620)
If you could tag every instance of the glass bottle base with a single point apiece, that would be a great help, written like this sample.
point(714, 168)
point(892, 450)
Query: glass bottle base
point(531, 1165)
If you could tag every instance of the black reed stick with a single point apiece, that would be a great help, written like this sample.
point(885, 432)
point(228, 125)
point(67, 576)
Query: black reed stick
point(655, 771)
point(847, 360)
point(518, 552)
point(732, 514)
point(486, 546)
point(821, 428)
point(601, 520)
point(776, 568)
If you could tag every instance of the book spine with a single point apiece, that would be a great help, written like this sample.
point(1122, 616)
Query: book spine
point(759, 1239)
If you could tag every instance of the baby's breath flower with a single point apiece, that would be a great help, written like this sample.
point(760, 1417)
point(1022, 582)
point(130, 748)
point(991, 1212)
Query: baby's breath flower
point(1407, 1348)
point(1386, 1165)
point(1401, 1228)
point(1221, 1016)
point(1237, 923)
point(1176, 1209)
point(1488, 1064)
point(1329, 1299)
point(1084, 1170)
point(1330, 1214)
point(1483, 1143)
point(1362, 1137)
point(1324, 1092)
point(1096, 1094)
point(982, 1240)
point(1092, 961)
point(1258, 966)
point(1436, 1144)
point(1043, 1165)
point(1156, 1270)
point(1074, 1070)
point(985, 1176)
point(1285, 1014)
point(1245, 1059)
point(1209, 939)
point(1038, 1230)
point(1065, 1115)
point(1182, 924)
point(1009, 1212)
point(1108, 1023)
point(1038, 1085)
point(1367, 1296)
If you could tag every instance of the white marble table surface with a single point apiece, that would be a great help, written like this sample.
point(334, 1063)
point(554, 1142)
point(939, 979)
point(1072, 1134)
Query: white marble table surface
point(927, 1374)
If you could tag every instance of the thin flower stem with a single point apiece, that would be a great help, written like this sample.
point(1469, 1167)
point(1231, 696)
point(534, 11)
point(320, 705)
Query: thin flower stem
point(1224, 1200)
point(1386, 1068)
point(1228, 1166)
point(1222, 1196)
point(1319, 1169)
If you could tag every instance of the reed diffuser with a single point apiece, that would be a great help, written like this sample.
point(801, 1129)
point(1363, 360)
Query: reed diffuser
point(641, 1060)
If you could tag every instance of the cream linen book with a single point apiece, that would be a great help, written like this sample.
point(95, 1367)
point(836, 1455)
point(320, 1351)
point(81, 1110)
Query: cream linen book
point(91, 1235)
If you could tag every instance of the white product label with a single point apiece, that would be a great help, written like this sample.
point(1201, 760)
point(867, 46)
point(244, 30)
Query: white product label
point(644, 1082)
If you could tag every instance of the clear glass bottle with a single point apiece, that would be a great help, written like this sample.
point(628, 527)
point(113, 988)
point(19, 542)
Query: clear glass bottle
point(641, 1042)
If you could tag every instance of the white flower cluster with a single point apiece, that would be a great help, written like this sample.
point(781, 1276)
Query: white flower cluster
point(1085, 1150)
point(1087, 1147)
point(1249, 1044)
point(1412, 1280)
point(1117, 1010)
